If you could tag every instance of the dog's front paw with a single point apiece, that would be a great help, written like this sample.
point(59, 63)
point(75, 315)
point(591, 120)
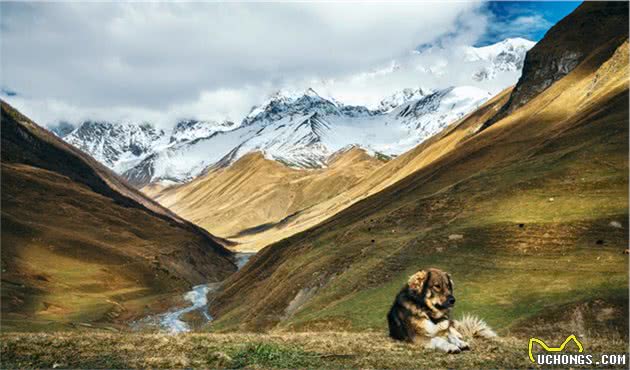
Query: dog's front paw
point(452, 349)
point(464, 346)
point(454, 339)
point(443, 345)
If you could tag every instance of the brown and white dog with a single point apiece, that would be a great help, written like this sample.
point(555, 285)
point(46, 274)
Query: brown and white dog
point(420, 312)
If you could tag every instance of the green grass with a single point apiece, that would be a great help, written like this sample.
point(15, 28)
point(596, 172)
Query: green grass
point(522, 286)
point(273, 355)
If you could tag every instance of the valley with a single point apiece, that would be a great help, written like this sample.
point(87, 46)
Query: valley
point(176, 320)
point(281, 239)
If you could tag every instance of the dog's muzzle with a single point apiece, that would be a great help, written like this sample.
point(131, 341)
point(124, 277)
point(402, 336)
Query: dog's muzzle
point(448, 303)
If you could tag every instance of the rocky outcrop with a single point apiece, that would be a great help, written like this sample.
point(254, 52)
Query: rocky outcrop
point(591, 26)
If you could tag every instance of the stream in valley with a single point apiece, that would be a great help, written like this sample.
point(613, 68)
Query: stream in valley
point(172, 321)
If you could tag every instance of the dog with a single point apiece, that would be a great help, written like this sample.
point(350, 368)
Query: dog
point(420, 313)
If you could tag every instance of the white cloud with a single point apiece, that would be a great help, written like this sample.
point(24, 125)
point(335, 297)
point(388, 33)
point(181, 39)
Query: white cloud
point(158, 61)
point(526, 25)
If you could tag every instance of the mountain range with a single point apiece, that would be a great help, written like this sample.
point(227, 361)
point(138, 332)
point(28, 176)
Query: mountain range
point(300, 130)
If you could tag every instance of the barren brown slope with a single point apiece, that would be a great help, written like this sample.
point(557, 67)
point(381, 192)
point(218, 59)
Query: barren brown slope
point(78, 244)
point(529, 216)
point(255, 195)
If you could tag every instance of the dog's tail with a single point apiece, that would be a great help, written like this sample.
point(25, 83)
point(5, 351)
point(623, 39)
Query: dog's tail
point(473, 327)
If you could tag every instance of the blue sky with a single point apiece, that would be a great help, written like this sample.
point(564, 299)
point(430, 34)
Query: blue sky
point(529, 19)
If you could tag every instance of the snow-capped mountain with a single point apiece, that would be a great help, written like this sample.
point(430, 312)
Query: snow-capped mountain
point(501, 61)
point(119, 145)
point(192, 129)
point(301, 129)
point(431, 113)
point(400, 97)
point(62, 129)
point(304, 131)
point(505, 56)
point(282, 104)
point(123, 145)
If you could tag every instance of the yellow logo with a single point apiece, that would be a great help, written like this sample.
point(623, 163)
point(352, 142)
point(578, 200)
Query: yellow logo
point(553, 349)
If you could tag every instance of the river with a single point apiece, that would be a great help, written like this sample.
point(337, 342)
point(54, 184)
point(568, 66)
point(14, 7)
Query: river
point(172, 322)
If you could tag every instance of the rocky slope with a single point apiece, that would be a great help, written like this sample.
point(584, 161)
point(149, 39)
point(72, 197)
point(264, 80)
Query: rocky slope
point(80, 245)
point(529, 215)
point(561, 51)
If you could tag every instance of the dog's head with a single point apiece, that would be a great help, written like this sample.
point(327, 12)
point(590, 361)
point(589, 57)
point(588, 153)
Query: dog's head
point(435, 289)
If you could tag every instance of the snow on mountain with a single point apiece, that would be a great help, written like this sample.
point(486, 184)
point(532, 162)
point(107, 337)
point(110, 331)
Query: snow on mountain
point(433, 112)
point(399, 98)
point(62, 129)
point(305, 131)
point(191, 129)
point(505, 56)
point(301, 129)
point(118, 145)
point(123, 145)
point(284, 104)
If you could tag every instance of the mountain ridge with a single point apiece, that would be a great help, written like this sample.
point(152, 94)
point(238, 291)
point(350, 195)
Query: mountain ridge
point(256, 194)
point(182, 160)
point(288, 131)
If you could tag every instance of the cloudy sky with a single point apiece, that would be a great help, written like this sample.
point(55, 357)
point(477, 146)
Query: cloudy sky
point(161, 62)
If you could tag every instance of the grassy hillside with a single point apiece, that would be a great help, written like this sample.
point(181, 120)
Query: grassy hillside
point(254, 199)
point(529, 215)
point(80, 247)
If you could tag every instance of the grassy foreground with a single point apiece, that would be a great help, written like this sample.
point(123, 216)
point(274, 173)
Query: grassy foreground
point(327, 349)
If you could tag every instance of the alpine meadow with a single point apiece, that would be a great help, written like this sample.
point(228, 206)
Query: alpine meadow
point(315, 185)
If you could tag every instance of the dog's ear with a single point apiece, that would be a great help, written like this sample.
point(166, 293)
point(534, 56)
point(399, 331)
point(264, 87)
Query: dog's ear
point(450, 282)
point(417, 281)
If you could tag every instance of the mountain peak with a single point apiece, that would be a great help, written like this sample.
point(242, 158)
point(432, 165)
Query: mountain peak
point(117, 145)
point(312, 93)
point(401, 97)
point(518, 41)
point(510, 43)
point(504, 56)
point(193, 129)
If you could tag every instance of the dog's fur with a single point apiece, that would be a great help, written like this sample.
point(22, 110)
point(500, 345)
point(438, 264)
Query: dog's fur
point(420, 312)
